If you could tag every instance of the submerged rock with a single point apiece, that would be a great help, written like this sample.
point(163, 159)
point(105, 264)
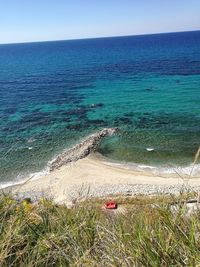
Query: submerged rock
point(97, 121)
point(75, 127)
point(124, 120)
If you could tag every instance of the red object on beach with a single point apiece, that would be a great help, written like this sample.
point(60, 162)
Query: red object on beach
point(111, 205)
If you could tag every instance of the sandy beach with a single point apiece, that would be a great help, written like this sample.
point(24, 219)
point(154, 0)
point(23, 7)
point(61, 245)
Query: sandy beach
point(80, 172)
point(94, 176)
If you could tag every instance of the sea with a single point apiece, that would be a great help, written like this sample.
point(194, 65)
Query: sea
point(54, 94)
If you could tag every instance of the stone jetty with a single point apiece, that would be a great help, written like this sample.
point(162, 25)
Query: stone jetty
point(81, 150)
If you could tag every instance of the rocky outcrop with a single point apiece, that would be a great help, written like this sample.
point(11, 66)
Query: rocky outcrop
point(80, 150)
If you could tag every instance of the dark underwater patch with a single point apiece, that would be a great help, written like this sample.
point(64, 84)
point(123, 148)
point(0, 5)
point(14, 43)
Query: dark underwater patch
point(129, 114)
point(97, 122)
point(122, 120)
point(82, 109)
point(10, 110)
point(76, 127)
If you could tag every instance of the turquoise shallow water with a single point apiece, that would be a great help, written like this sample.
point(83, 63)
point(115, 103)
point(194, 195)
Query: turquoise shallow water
point(55, 93)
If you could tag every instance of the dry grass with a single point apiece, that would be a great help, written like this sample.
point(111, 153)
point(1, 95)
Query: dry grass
point(148, 234)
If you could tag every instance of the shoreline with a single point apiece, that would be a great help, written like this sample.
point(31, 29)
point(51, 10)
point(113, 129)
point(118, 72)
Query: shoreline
point(164, 172)
point(92, 176)
point(79, 171)
point(81, 150)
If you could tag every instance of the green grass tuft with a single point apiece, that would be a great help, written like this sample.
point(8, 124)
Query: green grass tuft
point(149, 233)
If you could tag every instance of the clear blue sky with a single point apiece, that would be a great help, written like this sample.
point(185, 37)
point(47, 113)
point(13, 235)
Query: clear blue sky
point(38, 20)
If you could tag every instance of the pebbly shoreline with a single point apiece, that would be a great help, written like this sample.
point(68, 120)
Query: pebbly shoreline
point(88, 191)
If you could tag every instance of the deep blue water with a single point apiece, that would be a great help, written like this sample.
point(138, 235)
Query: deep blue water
point(54, 93)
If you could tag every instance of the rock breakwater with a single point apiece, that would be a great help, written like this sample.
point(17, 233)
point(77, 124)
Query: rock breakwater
point(81, 150)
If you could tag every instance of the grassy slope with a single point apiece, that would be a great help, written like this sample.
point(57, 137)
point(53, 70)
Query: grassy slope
point(146, 235)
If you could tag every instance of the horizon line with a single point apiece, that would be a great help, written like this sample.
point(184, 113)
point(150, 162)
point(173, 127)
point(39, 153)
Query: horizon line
point(99, 37)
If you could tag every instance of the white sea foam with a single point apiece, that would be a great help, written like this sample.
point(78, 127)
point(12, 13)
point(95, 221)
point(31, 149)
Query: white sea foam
point(150, 149)
point(190, 170)
point(19, 180)
point(8, 184)
point(38, 175)
point(31, 140)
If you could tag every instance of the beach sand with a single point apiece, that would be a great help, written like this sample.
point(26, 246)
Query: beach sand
point(94, 176)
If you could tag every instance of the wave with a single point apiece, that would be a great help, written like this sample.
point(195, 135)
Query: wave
point(190, 170)
point(21, 181)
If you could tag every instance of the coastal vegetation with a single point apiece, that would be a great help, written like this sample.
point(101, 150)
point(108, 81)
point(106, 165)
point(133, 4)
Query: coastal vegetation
point(143, 231)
